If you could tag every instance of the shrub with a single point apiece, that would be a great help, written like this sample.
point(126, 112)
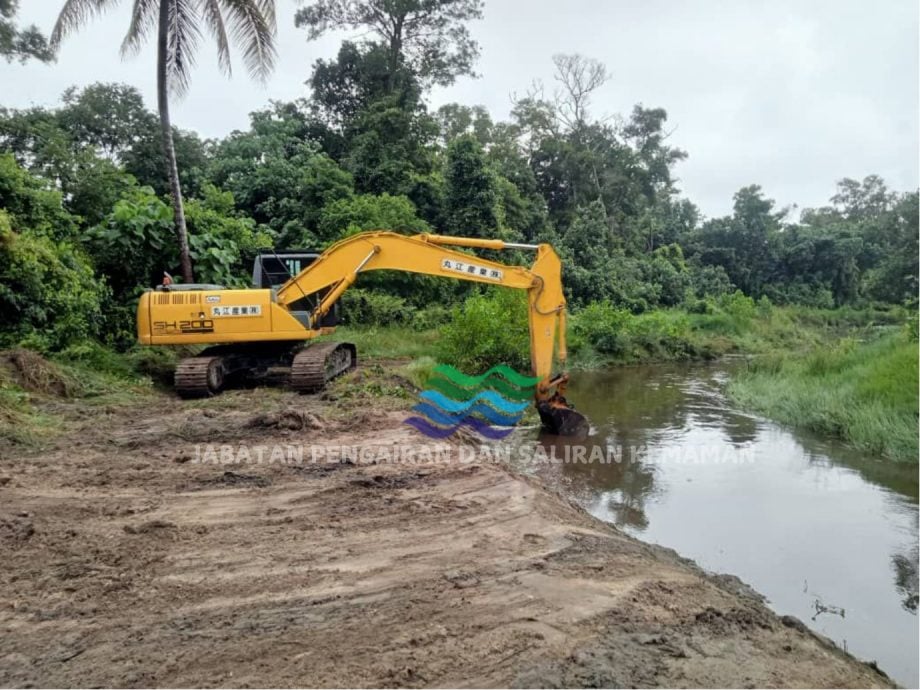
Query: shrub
point(604, 327)
point(622, 335)
point(49, 296)
point(488, 329)
point(430, 317)
point(738, 305)
point(368, 308)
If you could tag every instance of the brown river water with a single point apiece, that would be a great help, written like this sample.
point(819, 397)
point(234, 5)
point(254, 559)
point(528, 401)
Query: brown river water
point(824, 532)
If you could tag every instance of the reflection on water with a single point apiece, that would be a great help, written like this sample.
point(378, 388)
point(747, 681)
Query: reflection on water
point(828, 534)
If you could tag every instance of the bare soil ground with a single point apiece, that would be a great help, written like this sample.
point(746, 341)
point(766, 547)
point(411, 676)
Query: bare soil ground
point(126, 562)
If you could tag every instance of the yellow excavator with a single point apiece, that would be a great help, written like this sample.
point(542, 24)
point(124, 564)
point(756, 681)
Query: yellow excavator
point(263, 333)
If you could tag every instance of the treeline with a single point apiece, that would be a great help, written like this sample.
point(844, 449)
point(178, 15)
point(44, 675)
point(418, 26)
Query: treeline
point(85, 219)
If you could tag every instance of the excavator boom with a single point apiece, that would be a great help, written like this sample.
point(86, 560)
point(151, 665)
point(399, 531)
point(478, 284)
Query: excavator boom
point(339, 266)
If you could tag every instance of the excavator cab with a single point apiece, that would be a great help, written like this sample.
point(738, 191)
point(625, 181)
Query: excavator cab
point(273, 269)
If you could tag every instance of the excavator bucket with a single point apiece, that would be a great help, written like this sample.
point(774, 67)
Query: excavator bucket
point(560, 418)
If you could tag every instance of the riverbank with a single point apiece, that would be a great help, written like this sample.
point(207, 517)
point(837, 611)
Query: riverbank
point(864, 393)
point(598, 337)
point(136, 557)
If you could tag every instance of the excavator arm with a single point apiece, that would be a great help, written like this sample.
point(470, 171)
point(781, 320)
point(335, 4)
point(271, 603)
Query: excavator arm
point(338, 268)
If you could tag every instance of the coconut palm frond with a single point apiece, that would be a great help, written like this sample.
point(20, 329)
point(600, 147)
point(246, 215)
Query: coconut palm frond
point(183, 35)
point(143, 22)
point(254, 32)
point(267, 10)
point(214, 21)
point(75, 14)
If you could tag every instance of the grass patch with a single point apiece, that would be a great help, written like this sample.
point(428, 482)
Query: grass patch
point(20, 423)
point(389, 341)
point(370, 385)
point(420, 370)
point(88, 373)
point(602, 335)
point(863, 393)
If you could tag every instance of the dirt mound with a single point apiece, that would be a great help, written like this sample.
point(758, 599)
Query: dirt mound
point(32, 372)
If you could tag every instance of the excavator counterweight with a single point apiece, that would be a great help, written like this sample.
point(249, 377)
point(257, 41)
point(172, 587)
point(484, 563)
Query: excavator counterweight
point(263, 333)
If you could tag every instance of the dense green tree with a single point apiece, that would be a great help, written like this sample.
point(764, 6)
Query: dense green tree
point(745, 244)
point(471, 198)
point(646, 134)
point(178, 28)
point(32, 204)
point(50, 296)
point(88, 144)
point(814, 259)
point(667, 276)
point(277, 176)
point(894, 278)
point(358, 77)
point(348, 216)
point(132, 245)
point(111, 118)
point(454, 120)
point(862, 200)
point(145, 161)
point(387, 146)
point(587, 251)
point(429, 38)
point(20, 43)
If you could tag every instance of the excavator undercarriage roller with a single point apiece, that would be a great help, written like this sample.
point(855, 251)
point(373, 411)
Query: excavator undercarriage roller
point(315, 366)
point(199, 377)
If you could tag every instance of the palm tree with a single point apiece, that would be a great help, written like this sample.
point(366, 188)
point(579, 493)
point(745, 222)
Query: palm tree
point(251, 25)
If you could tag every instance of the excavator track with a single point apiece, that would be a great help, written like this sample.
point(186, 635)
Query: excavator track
point(199, 377)
point(316, 365)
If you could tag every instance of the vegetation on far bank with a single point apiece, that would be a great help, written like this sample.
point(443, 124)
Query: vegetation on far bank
point(862, 392)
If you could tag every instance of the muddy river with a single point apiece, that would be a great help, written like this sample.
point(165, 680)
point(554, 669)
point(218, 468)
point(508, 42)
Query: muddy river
point(826, 533)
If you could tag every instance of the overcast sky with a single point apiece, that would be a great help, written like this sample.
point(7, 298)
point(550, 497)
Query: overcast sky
point(791, 95)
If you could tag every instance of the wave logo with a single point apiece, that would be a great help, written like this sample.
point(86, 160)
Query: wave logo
point(489, 404)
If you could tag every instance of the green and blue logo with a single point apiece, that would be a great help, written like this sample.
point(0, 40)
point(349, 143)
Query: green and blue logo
point(489, 404)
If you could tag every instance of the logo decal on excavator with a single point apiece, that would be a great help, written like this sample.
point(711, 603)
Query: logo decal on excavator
point(183, 327)
point(490, 404)
point(472, 269)
point(238, 310)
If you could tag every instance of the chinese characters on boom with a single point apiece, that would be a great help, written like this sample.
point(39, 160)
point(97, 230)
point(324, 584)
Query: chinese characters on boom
point(245, 310)
point(472, 269)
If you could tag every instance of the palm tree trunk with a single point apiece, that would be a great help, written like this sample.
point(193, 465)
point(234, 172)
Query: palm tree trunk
point(168, 146)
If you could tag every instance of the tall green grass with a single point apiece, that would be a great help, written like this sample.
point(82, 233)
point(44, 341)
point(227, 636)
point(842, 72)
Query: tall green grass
point(863, 393)
point(602, 334)
point(389, 341)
